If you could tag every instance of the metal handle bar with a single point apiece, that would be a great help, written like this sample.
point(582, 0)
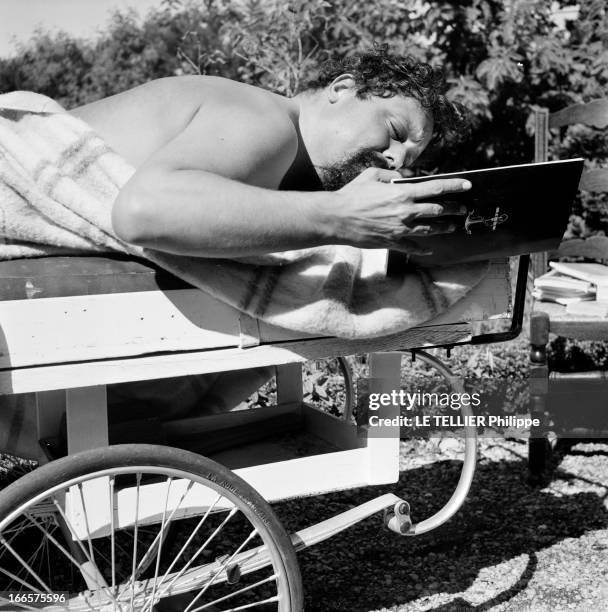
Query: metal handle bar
point(469, 461)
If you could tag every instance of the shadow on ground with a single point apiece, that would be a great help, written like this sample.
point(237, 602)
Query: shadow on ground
point(368, 567)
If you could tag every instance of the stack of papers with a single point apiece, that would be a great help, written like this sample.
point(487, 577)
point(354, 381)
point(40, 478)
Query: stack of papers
point(581, 287)
point(563, 289)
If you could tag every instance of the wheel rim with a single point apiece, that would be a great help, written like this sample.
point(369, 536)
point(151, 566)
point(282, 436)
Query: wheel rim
point(224, 559)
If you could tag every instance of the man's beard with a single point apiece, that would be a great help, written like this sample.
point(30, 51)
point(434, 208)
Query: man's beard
point(337, 175)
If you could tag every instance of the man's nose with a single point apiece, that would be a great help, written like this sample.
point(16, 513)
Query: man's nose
point(396, 155)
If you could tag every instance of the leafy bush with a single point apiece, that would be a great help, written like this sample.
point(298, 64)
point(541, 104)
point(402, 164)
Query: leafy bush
point(501, 57)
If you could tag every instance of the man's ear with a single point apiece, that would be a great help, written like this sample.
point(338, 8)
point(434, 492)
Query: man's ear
point(341, 85)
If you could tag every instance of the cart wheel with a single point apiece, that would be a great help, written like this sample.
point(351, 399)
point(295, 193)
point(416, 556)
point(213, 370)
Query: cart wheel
point(142, 527)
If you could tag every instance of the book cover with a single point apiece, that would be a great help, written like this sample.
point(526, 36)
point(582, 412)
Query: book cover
point(590, 272)
point(511, 210)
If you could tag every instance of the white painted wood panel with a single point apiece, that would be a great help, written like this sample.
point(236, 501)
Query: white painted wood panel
point(93, 327)
point(301, 477)
point(147, 367)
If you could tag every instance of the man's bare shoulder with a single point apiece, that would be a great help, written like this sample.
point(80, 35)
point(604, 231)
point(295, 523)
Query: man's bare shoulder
point(235, 130)
point(199, 112)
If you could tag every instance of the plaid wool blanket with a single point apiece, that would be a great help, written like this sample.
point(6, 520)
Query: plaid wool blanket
point(58, 181)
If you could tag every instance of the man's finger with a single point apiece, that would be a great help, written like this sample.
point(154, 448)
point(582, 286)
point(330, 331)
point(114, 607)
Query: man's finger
point(437, 187)
point(427, 209)
point(430, 229)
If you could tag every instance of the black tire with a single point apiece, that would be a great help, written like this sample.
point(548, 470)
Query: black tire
point(202, 470)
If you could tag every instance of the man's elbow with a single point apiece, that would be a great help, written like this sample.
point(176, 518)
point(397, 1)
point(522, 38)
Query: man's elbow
point(132, 220)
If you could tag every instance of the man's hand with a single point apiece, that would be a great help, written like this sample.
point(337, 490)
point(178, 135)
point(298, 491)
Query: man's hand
point(374, 213)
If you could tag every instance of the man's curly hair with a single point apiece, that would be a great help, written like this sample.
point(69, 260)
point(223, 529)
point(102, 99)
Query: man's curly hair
point(380, 73)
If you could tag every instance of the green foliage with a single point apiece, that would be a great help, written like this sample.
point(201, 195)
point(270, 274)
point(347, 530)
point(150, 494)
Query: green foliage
point(56, 65)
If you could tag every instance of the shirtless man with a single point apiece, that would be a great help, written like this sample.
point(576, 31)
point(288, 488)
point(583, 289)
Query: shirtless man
point(224, 169)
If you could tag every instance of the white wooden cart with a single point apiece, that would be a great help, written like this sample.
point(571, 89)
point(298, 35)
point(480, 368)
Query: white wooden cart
point(149, 527)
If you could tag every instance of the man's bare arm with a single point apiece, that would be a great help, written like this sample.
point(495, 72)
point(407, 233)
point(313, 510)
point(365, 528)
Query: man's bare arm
point(211, 190)
point(211, 193)
point(195, 212)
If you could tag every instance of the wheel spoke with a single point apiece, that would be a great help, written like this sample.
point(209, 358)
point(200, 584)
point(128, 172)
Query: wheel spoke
point(152, 549)
point(138, 477)
point(112, 539)
point(185, 546)
point(14, 532)
point(93, 571)
point(203, 547)
point(253, 605)
point(15, 578)
point(207, 561)
point(86, 523)
point(34, 556)
point(24, 564)
point(223, 567)
point(91, 553)
point(17, 532)
point(235, 593)
point(160, 545)
point(54, 541)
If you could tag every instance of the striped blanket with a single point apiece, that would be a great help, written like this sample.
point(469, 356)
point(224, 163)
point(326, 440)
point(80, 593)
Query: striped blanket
point(58, 181)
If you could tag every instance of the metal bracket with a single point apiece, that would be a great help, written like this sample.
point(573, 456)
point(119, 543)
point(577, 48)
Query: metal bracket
point(398, 518)
point(233, 570)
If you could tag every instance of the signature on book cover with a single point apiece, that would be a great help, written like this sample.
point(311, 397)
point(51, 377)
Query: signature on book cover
point(494, 221)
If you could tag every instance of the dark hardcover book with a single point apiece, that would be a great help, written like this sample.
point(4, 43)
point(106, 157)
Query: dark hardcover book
point(511, 210)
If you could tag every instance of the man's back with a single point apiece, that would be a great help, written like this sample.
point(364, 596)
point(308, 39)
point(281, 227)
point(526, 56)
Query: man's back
point(141, 121)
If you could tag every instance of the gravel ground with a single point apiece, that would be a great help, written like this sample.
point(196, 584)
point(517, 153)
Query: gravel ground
point(512, 547)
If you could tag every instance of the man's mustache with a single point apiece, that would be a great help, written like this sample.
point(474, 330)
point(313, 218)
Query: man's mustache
point(337, 175)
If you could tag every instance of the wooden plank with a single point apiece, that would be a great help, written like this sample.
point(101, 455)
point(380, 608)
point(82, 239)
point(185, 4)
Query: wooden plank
point(294, 478)
point(50, 408)
point(593, 113)
point(289, 383)
point(68, 375)
point(91, 327)
point(80, 328)
point(383, 443)
point(235, 436)
point(86, 418)
point(573, 326)
point(38, 332)
point(332, 429)
point(213, 422)
point(46, 277)
point(307, 476)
